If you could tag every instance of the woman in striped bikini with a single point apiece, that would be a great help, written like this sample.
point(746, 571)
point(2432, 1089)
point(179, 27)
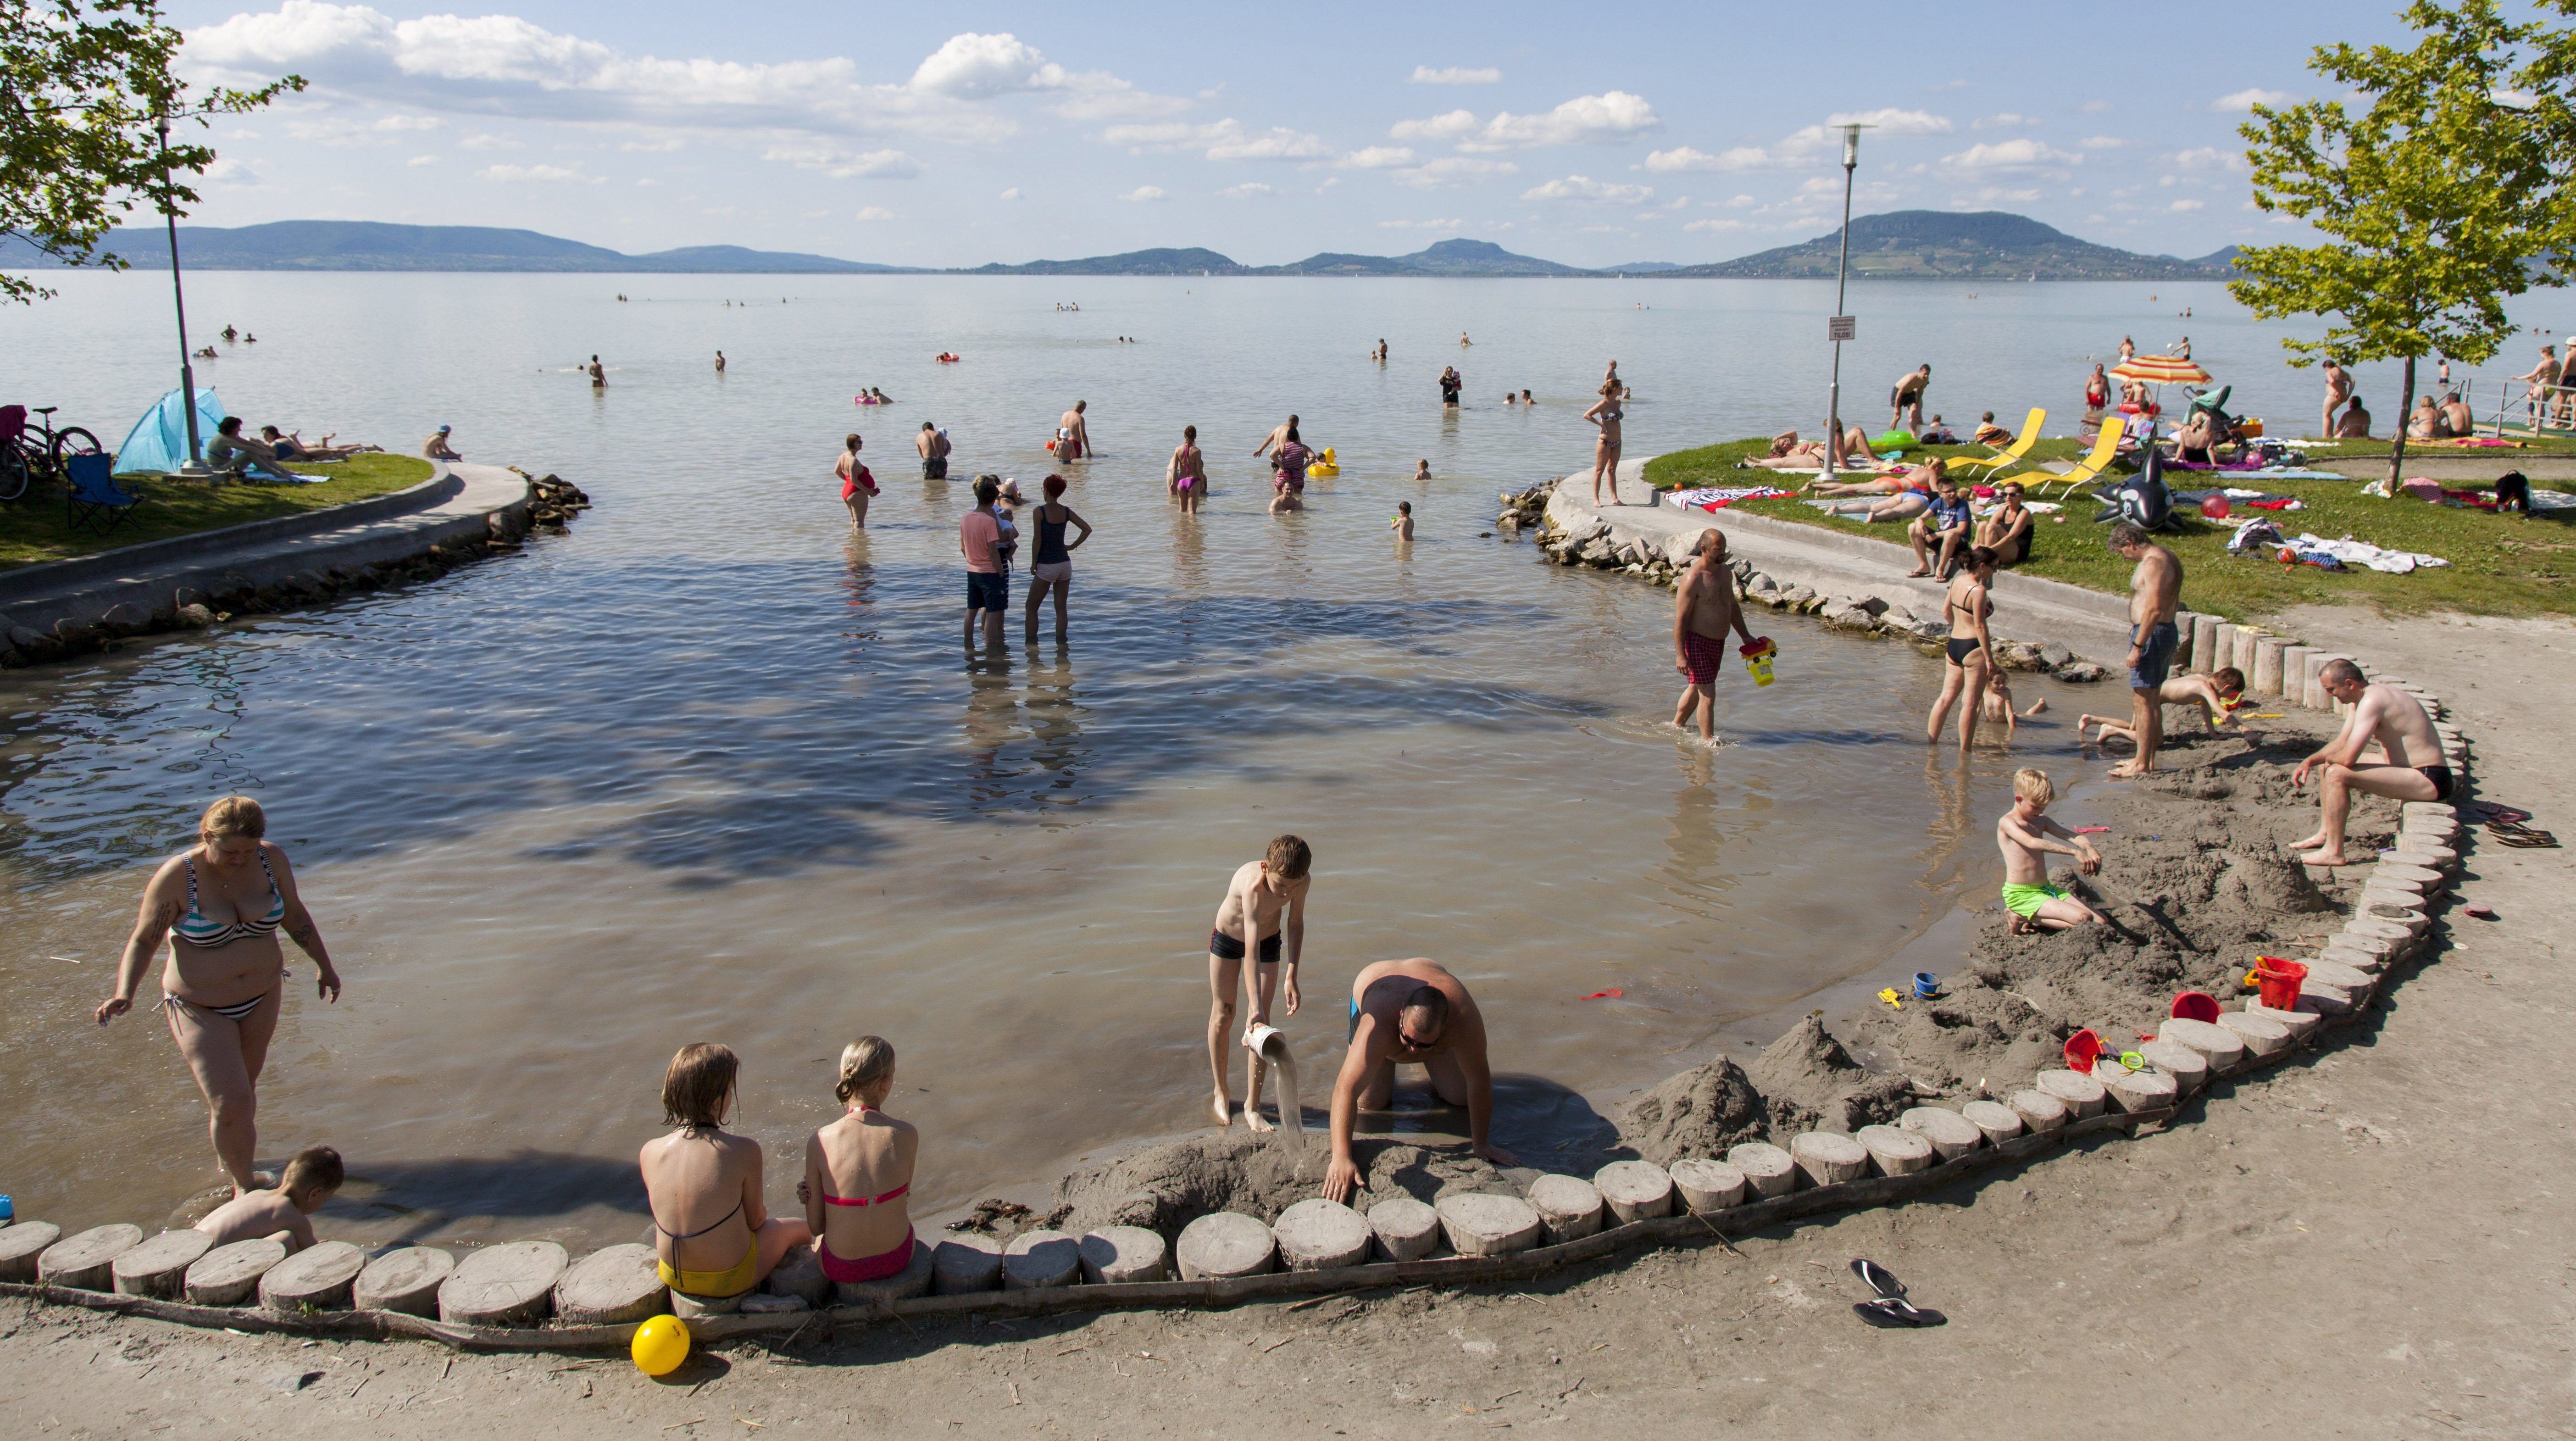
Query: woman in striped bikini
point(221, 903)
point(857, 1172)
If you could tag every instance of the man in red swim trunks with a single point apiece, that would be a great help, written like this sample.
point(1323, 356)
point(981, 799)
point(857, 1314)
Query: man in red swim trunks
point(1704, 608)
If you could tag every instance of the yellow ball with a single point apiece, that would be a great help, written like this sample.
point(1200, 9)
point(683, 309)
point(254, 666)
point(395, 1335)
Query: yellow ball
point(661, 1344)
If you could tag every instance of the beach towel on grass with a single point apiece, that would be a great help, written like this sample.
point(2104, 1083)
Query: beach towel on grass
point(2349, 551)
point(1718, 497)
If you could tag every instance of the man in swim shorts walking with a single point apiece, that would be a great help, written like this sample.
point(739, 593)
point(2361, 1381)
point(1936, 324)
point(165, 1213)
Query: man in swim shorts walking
point(2413, 768)
point(932, 442)
point(1262, 915)
point(2155, 592)
point(2027, 837)
point(1704, 608)
point(1411, 1013)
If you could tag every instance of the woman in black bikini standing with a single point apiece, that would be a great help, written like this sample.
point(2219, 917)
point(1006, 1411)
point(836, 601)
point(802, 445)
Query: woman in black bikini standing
point(1605, 413)
point(1971, 661)
point(221, 903)
point(1053, 568)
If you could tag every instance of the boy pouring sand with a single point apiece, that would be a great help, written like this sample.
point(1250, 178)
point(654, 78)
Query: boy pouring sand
point(1264, 912)
point(2024, 836)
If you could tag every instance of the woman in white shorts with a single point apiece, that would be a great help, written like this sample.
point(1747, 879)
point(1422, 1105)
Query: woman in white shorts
point(1053, 567)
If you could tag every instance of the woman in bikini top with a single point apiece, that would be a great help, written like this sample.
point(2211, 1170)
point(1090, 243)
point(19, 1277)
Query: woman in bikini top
point(858, 1171)
point(713, 1234)
point(1963, 681)
point(221, 904)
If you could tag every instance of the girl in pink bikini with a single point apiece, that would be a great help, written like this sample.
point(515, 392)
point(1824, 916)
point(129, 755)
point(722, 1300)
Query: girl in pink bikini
point(857, 1171)
point(1186, 475)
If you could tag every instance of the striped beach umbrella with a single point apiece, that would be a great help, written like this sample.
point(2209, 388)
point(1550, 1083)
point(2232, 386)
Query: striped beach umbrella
point(2161, 370)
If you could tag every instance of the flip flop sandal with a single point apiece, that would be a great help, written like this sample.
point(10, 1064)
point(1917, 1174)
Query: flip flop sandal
point(1895, 1311)
point(2530, 840)
point(1878, 1278)
point(2506, 814)
point(2501, 826)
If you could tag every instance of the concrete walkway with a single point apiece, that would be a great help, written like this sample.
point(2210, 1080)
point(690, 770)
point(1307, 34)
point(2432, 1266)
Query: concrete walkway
point(2089, 623)
point(140, 582)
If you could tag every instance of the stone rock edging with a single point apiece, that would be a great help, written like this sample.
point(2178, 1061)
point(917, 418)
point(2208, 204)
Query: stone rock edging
point(66, 609)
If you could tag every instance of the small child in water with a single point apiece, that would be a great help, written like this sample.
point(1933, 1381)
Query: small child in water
point(310, 1179)
point(2000, 705)
point(2025, 836)
point(1402, 525)
point(1422, 469)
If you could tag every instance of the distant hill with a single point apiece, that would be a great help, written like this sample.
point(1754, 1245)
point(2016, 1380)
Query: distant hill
point(1445, 258)
point(1946, 245)
point(1134, 262)
point(368, 245)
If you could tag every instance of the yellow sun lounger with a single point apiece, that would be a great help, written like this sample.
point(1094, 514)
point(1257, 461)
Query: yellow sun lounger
point(2089, 469)
point(2004, 460)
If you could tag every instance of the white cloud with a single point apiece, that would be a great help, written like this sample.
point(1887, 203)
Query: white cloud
point(535, 173)
point(2187, 205)
point(422, 160)
point(2208, 157)
point(2009, 155)
point(1739, 202)
point(1585, 120)
point(1809, 146)
point(1377, 157)
point(2244, 101)
point(1438, 127)
point(1011, 194)
point(1454, 75)
point(2005, 121)
point(1146, 192)
point(410, 122)
point(1583, 189)
point(1223, 140)
point(1422, 225)
point(974, 67)
point(875, 212)
point(2102, 142)
point(487, 142)
point(2095, 107)
point(1452, 170)
point(660, 144)
point(845, 164)
point(1683, 157)
point(1246, 190)
point(1718, 225)
point(1889, 122)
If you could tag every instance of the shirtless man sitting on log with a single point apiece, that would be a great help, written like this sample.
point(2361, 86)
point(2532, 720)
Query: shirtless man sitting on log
point(1411, 1013)
point(2410, 767)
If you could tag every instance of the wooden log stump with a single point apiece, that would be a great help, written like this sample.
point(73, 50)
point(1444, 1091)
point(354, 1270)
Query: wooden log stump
point(1320, 1235)
point(1406, 1229)
point(1895, 1150)
point(2263, 1038)
point(770, 1303)
point(1635, 1190)
point(512, 1284)
point(159, 1267)
point(799, 1273)
point(228, 1275)
point(913, 1280)
point(610, 1287)
point(2189, 1068)
point(2400, 871)
point(2134, 1091)
point(2301, 1023)
point(86, 1261)
point(1569, 1207)
point(2405, 910)
point(1118, 1255)
point(1829, 1158)
point(1224, 1244)
point(21, 1242)
point(2369, 963)
point(2043, 1113)
point(318, 1278)
point(2342, 977)
point(2248, 639)
point(1768, 1169)
point(688, 1307)
point(1706, 1185)
point(966, 1262)
point(2373, 926)
point(2223, 649)
point(2081, 1093)
point(2380, 947)
point(404, 1281)
point(2222, 1048)
point(1994, 1120)
point(2266, 675)
point(1483, 1225)
point(1952, 1135)
point(2204, 644)
point(2438, 810)
point(1041, 1261)
point(2427, 853)
point(2294, 675)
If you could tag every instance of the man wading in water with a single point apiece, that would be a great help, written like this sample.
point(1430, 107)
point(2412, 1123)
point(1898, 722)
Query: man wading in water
point(2155, 591)
point(1411, 1013)
point(1704, 607)
point(1264, 909)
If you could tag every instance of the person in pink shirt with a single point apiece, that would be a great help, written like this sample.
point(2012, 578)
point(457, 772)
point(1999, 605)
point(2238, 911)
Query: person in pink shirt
point(979, 535)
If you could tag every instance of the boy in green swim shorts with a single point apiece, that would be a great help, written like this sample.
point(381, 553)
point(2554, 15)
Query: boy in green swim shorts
point(2025, 837)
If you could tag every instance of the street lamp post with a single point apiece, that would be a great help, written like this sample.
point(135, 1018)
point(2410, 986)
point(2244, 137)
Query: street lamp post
point(196, 465)
point(1840, 328)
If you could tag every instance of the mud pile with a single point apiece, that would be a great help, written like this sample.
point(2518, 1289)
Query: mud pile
point(1164, 1188)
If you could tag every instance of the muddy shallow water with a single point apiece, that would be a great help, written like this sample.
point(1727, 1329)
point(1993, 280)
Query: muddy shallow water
point(710, 768)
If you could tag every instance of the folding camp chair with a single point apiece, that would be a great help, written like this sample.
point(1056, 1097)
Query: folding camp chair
point(94, 493)
point(2105, 449)
point(2004, 460)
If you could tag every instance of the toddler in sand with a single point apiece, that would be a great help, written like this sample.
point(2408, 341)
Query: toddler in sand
point(2027, 836)
point(2218, 694)
point(311, 1179)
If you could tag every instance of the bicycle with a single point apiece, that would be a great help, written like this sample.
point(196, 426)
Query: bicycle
point(24, 457)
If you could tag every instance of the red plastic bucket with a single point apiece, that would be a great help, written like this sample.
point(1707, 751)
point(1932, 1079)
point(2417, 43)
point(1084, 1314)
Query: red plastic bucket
point(2277, 982)
point(2082, 1050)
point(2196, 1006)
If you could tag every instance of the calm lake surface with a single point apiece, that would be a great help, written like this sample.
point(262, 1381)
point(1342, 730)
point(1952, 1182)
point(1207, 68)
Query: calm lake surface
point(710, 768)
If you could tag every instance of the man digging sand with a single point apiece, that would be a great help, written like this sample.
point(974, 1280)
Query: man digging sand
point(1411, 1013)
point(2412, 756)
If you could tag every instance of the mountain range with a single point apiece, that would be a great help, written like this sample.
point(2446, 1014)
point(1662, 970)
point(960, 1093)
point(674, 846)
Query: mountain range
point(1898, 245)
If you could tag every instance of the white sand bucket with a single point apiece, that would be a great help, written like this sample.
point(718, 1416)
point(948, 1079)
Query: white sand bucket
point(1271, 1045)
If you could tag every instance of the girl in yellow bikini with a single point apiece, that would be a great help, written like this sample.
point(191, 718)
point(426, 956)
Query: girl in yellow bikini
point(713, 1232)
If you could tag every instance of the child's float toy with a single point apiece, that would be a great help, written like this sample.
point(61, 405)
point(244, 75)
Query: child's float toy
point(1326, 464)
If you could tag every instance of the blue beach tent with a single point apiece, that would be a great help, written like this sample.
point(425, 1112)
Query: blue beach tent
point(159, 441)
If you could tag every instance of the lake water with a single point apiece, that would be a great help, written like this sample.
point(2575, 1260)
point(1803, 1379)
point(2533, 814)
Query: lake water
point(710, 768)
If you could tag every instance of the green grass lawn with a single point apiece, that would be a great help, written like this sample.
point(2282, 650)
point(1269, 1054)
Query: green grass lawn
point(2499, 565)
point(37, 526)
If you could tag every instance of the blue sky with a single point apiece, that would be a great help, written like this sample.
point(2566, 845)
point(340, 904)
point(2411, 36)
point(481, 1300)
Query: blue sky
point(960, 134)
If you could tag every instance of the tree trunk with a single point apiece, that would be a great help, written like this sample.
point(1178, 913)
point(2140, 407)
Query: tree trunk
point(2397, 449)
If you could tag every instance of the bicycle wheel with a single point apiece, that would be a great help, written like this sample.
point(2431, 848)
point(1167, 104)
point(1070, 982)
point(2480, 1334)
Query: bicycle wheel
point(13, 472)
point(72, 440)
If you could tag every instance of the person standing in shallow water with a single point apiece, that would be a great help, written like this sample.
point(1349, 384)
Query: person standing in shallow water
point(598, 374)
point(858, 486)
point(221, 904)
point(1186, 474)
point(1264, 912)
point(1606, 414)
point(1052, 568)
point(1704, 609)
